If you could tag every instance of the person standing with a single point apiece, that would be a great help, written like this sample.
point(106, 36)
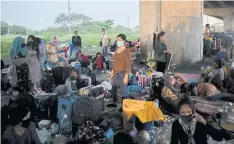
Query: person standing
point(161, 52)
point(105, 40)
point(76, 41)
point(207, 41)
point(34, 63)
point(121, 69)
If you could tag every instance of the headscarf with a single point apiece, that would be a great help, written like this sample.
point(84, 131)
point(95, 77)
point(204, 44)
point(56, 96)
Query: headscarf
point(174, 88)
point(17, 48)
point(189, 129)
point(54, 41)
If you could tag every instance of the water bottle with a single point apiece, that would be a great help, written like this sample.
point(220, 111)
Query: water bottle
point(66, 126)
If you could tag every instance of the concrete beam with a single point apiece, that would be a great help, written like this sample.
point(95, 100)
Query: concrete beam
point(221, 12)
point(228, 22)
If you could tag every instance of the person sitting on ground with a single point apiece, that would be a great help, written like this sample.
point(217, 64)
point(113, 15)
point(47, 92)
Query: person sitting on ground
point(191, 128)
point(74, 82)
point(99, 63)
point(216, 69)
point(171, 91)
point(22, 131)
point(84, 60)
point(205, 90)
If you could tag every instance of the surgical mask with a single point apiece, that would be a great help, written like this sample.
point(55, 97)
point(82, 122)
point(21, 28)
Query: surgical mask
point(29, 43)
point(73, 78)
point(120, 43)
point(26, 123)
point(187, 118)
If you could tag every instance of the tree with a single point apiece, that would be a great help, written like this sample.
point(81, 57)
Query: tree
point(18, 30)
point(4, 28)
point(75, 19)
point(108, 23)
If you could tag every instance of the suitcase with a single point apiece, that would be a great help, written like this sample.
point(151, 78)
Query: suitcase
point(60, 74)
point(64, 110)
point(87, 108)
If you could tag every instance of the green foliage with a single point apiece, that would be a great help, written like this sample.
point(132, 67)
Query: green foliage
point(88, 29)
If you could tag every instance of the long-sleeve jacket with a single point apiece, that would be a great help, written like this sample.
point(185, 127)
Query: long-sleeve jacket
point(160, 47)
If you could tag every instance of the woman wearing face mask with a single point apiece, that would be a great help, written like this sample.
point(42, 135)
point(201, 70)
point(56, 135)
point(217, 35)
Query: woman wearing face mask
point(19, 71)
point(191, 128)
point(160, 52)
point(121, 69)
point(22, 131)
point(34, 63)
point(172, 90)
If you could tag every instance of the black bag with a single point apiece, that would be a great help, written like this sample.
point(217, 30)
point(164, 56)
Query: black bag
point(88, 133)
point(87, 109)
point(93, 79)
point(47, 82)
point(47, 105)
point(113, 121)
point(100, 43)
point(60, 74)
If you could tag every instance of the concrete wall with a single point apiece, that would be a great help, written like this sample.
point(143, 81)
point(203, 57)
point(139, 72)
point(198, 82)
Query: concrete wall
point(182, 22)
point(149, 24)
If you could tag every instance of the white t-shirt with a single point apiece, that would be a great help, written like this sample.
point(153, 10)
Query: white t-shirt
point(105, 40)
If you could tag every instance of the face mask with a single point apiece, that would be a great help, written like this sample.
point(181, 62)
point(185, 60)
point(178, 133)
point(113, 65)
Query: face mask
point(26, 123)
point(29, 43)
point(187, 118)
point(120, 43)
point(73, 78)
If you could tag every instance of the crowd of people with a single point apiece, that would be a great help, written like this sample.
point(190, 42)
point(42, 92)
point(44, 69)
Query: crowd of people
point(29, 60)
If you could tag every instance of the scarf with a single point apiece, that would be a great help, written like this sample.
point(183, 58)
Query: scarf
point(16, 47)
point(189, 129)
point(174, 88)
point(99, 63)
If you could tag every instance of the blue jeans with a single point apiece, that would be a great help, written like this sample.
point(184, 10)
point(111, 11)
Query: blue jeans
point(104, 51)
point(78, 49)
point(118, 83)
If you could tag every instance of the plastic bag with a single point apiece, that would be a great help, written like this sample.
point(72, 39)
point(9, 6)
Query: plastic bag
point(44, 135)
point(54, 129)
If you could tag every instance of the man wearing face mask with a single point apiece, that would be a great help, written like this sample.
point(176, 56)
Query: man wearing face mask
point(22, 131)
point(191, 128)
point(74, 82)
point(120, 70)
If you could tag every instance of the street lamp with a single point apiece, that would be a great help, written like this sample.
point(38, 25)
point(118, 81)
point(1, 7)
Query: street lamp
point(8, 27)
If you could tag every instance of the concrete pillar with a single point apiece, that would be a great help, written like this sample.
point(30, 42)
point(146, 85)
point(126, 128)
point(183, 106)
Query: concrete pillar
point(182, 22)
point(228, 22)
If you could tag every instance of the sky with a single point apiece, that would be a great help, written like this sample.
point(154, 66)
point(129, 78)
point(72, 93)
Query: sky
point(38, 15)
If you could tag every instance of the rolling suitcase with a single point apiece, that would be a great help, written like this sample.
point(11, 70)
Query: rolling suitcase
point(64, 112)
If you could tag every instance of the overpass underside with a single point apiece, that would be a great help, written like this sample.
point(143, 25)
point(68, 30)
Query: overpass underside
point(182, 22)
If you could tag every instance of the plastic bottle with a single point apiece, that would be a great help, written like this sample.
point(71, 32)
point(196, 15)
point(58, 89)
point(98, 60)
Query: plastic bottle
point(66, 126)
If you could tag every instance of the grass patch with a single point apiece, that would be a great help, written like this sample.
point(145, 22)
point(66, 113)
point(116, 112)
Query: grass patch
point(88, 40)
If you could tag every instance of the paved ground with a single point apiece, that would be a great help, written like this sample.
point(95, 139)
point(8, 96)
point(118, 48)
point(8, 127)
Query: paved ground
point(164, 132)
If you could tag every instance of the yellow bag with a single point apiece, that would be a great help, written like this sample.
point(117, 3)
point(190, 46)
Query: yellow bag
point(146, 111)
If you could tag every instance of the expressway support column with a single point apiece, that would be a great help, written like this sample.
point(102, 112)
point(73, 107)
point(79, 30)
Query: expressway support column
point(182, 22)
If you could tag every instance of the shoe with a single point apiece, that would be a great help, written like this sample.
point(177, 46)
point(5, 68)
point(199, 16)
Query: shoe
point(111, 105)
